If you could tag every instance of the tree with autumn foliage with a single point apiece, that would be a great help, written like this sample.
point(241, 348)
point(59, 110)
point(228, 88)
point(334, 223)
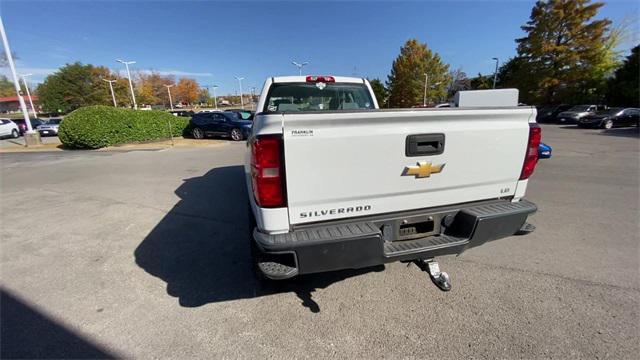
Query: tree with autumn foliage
point(150, 88)
point(407, 79)
point(187, 91)
point(566, 55)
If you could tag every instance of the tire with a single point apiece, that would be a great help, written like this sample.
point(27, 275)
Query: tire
point(607, 124)
point(15, 133)
point(197, 133)
point(236, 135)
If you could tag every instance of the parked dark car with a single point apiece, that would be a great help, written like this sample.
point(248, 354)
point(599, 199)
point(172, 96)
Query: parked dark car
point(550, 113)
point(243, 114)
point(226, 124)
point(182, 113)
point(613, 117)
point(23, 127)
point(577, 112)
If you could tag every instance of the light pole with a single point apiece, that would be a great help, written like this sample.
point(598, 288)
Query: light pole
point(215, 98)
point(240, 84)
point(16, 84)
point(113, 96)
point(495, 73)
point(24, 81)
point(426, 84)
point(169, 91)
point(133, 96)
point(300, 66)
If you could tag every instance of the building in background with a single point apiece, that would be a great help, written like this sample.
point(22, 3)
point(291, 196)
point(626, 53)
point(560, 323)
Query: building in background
point(11, 104)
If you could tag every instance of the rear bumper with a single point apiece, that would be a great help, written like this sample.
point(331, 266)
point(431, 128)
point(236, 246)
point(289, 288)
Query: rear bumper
point(378, 240)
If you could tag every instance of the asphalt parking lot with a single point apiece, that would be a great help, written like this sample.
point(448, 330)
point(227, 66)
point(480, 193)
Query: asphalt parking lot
point(143, 254)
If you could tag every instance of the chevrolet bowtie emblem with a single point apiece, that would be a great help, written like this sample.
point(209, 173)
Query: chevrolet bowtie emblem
point(424, 169)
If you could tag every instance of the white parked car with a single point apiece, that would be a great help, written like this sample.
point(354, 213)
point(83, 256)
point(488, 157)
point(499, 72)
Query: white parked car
point(9, 128)
point(50, 128)
point(335, 183)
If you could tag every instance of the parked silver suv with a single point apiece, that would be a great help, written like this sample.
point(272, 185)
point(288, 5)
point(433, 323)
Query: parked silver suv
point(50, 127)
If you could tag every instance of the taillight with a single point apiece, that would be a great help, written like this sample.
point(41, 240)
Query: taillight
point(321, 79)
point(531, 157)
point(267, 171)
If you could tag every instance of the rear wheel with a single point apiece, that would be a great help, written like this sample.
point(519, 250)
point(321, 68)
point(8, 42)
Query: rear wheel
point(197, 133)
point(236, 134)
point(14, 133)
point(608, 124)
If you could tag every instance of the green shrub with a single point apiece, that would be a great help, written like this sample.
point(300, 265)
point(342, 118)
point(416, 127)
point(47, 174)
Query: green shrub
point(94, 127)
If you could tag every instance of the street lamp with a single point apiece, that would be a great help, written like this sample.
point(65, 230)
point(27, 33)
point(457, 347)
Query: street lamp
point(426, 84)
point(495, 73)
point(300, 66)
point(169, 91)
point(133, 96)
point(240, 84)
point(16, 84)
point(24, 81)
point(215, 98)
point(113, 96)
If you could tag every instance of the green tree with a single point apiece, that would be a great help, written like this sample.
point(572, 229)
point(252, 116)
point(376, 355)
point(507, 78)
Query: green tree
point(77, 85)
point(6, 87)
point(380, 91)
point(624, 87)
point(407, 79)
point(481, 82)
point(569, 53)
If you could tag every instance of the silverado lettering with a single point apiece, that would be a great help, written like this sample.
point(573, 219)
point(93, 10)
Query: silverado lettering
point(346, 210)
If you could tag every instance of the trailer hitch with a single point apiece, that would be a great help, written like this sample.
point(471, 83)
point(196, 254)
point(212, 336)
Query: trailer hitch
point(440, 278)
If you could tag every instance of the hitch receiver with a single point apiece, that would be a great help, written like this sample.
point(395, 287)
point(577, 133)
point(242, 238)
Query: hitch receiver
point(440, 278)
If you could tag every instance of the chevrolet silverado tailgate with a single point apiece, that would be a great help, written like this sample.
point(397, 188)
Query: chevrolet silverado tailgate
point(349, 164)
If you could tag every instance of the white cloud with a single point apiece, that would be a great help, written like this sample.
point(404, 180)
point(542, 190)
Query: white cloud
point(38, 73)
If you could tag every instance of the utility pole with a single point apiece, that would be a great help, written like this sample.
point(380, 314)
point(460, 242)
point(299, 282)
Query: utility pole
point(133, 96)
point(495, 73)
point(426, 84)
point(169, 91)
point(300, 66)
point(113, 96)
point(30, 134)
point(240, 84)
point(215, 98)
point(24, 81)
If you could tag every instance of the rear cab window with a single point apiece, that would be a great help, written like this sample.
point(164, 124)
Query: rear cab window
point(320, 96)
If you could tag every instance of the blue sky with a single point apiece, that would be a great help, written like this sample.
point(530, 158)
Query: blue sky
point(215, 41)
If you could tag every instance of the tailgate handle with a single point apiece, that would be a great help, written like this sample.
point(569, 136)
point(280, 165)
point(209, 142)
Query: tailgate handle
point(424, 144)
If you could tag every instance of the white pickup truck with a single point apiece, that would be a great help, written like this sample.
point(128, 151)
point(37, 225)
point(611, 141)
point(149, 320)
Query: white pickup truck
point(336, 183)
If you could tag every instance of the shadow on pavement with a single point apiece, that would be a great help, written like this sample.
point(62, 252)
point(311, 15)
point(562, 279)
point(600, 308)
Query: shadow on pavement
point(25, 333)
point(201, 247)
point(631, 132)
